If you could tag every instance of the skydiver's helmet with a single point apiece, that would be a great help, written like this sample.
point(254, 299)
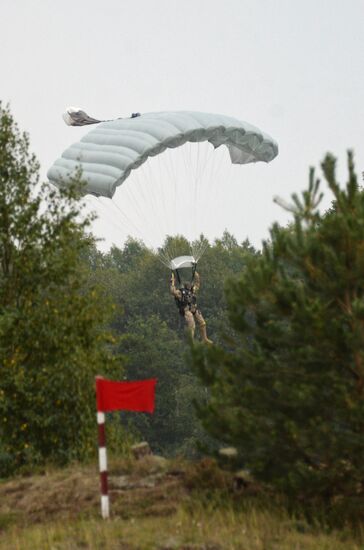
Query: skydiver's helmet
point(184, 268)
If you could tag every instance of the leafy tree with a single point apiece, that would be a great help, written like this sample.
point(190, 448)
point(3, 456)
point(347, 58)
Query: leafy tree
point(52, 316)
point(222, 260)
point(288, 391)
point(154, 350)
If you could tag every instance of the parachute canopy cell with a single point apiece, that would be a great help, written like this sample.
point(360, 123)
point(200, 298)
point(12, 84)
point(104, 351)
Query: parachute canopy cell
point(108, 153)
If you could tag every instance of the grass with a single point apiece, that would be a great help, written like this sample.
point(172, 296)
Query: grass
point(251, 530)
point(60, 510)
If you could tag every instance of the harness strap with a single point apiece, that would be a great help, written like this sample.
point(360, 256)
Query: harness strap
point(187, 300)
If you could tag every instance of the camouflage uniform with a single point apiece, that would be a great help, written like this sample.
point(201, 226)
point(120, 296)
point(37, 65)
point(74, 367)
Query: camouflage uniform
point(187, 305)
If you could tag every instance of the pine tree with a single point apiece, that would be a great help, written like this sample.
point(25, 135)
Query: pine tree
point(288, 391)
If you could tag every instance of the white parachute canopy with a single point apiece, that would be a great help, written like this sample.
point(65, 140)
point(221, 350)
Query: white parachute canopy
point(170, 185)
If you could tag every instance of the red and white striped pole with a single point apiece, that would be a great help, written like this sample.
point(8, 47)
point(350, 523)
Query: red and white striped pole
point(118, 396)
point(105, 505)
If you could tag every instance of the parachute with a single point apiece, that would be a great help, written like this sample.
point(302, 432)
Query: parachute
point(114, 151)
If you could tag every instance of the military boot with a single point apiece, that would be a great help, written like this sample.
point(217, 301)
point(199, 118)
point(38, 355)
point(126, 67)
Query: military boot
point(203, 334)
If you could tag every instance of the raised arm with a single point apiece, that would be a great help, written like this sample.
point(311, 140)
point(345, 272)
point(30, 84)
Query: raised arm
point(197, 282)
point(173, 290)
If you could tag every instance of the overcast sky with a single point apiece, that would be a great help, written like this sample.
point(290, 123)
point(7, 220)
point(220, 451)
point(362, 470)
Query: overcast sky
point(293, 68)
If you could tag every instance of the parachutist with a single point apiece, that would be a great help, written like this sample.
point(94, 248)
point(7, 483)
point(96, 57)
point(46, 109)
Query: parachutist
point(186, 302)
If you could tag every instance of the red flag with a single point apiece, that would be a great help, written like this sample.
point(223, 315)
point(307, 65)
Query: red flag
point(126, 396)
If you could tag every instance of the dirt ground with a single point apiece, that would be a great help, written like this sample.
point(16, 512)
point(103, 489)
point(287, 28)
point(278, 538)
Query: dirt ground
point(151, 486)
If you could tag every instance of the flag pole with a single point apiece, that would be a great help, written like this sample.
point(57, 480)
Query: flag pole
point(118, 396)
point(105, 505)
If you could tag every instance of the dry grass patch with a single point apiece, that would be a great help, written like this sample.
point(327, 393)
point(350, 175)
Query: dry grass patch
point(155, 505)
point(54, 494)
point(203, 530)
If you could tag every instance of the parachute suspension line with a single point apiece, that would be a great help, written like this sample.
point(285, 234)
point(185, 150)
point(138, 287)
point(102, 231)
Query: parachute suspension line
point(169, 213)
point(164, 180)
point(113, 220)
point(134, 187)
point(153, 186)
point(219, 194)
point(139, 189)
point(162, 214)
point(122, 226)
point(196, 176)
point(129, 223)
point(162, 185)
point(144, 177)
point(180, 181)
point(128, 191)
point(193, 176)
point(164, 260)
point(182, 202)
point(193, 168)
point(203, 192)
point(187, 149)
point(198, 166)
point(214, 182)
point(195, 192)
point(209, 205)
point(155, 190)
point(116, 222)
point(176, 174)
point(143, 185)
point(175, 191)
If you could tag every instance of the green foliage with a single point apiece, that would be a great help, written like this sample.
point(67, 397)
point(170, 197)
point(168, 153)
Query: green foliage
point(154, 350)
point(52, 340)
point(288, 391)
point(153, 338)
